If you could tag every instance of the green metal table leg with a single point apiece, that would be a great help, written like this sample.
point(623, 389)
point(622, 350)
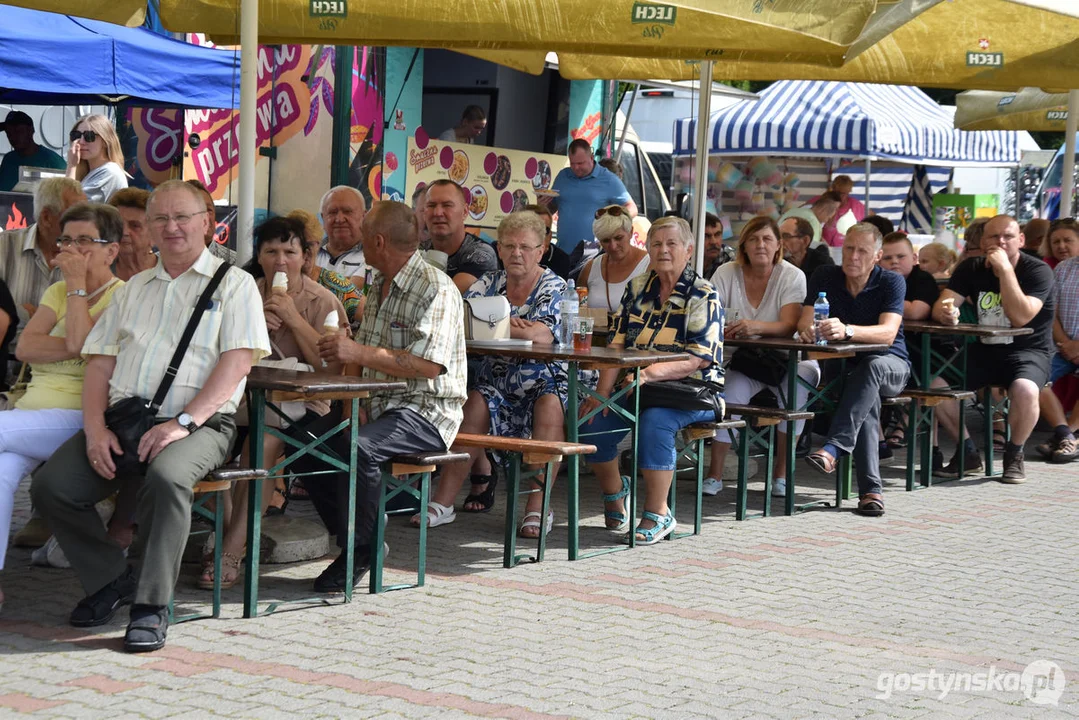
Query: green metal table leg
point(350, 531)
point(633, 484)
point(375, 574)
point(743, 478)
point(548, 480)
point(791, 450)
point(573, 468)
point(513, 487)
point(769, 435)
point(219, 536)
point(257, 409)
point(698, 505)
point(960, 447)
point(989, 407)
point(928, 415)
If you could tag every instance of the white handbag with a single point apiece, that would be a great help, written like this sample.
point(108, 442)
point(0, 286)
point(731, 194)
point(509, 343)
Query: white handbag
point(487, 318)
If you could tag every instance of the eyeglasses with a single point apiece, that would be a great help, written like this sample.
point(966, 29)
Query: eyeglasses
point(183, 219)
point(87, 135)
point(510, 249)
point(82, 241)
point(614, 210)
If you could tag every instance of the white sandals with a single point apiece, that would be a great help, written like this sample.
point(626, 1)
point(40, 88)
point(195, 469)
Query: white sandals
point(437, 514)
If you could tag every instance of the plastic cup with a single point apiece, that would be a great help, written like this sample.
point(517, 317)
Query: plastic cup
point(582, 333)
point(438, 259)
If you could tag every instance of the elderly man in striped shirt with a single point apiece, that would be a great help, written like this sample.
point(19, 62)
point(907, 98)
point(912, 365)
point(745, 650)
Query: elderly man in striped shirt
point(127, 354)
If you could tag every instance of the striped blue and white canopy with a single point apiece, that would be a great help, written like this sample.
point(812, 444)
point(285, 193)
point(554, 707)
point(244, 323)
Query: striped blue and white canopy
point(850, 120)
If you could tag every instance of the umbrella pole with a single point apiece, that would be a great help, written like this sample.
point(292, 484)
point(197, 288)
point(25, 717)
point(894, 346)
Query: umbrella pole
point(700, 183)
point(868, 170)
point(1067, 182)
point(249, 53)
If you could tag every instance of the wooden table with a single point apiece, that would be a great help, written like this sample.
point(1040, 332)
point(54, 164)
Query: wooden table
point(795, 349)
point(271, 386)
point(968, 332)
point(597, 358)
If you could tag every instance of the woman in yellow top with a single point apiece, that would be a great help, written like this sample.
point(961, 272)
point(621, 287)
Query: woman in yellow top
point(51, 410)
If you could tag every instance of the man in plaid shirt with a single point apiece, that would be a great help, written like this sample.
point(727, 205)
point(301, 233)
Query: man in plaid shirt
point(412, 330)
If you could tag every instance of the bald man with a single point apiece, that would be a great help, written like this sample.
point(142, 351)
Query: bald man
point(1008, 288)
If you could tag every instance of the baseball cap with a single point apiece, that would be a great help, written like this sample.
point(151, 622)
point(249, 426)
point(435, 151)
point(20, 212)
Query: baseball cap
point(16, 117)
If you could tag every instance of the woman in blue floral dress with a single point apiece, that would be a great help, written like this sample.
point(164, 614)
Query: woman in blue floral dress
point(512, 398)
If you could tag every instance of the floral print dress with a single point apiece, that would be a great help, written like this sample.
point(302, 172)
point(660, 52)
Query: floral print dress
point(512, 386)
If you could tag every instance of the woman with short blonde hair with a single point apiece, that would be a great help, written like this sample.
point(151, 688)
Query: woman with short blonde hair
point(607, 274)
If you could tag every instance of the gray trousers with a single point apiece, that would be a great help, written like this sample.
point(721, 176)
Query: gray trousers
point(66, 488)
point(856, 423)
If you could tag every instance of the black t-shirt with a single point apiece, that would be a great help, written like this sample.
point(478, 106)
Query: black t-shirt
point(557, 261)
point(975, 281)
point(816, 257)
point(474, 257)
point(921, 286)
point(7, 305)
point(883, 293)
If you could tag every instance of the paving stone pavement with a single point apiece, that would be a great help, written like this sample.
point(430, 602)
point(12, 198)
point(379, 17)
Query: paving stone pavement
point(823, 615)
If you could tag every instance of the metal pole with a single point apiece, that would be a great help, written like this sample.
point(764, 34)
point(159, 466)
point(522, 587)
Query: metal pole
point(625, 123)
point(340, 144)
point(249, 55)
point(1067, 182)
point(868, 170)
point(700, 189)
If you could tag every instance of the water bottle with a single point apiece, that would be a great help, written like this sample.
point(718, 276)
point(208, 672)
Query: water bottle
point(569, 309)
point(820, 312)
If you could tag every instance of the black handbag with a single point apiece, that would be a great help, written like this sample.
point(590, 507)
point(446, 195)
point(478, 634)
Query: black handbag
point(766, 366)
point(684, 394)
point(133, 417)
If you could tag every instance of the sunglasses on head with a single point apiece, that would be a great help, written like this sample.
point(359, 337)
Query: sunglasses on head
point(87, 135)
point(615, 210)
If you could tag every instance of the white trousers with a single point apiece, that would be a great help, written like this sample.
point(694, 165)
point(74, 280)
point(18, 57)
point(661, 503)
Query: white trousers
point(27, 439)
point(738, 389)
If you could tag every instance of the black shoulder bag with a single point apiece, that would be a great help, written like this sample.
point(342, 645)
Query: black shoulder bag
point(133, 417)
point(683, 394)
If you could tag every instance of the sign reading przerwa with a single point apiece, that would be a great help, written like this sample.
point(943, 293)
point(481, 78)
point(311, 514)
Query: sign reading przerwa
point(649, 13)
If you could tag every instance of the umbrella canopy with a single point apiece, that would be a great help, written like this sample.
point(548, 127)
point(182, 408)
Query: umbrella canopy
point(52, 59)
point(1028, 109)
point(983, 44)
point(850, 120)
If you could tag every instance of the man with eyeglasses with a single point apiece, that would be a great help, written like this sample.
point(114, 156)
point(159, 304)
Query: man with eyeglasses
point(342, 209)
point(584, 187)
point(798, 231)
point(26, 255)
point(468, 257)
point(128, 351)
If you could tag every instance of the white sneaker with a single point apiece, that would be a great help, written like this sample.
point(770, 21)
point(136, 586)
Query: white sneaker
point(779, 487)
point(712, 486)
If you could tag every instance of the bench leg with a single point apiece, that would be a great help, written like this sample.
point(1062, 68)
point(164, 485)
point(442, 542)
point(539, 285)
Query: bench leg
point(911, 434)
point(513, 487)
point(928, 415)
point(698, 504)
point(743, 479)
point(769, 437)
point(374, 580)
point(843, 479)
point(546, 483)
point(960, 442)
point(219, 537)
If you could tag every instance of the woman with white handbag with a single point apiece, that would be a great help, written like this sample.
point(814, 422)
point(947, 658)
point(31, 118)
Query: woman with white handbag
point(512, 398)
point(51, 410)
point(295, 307)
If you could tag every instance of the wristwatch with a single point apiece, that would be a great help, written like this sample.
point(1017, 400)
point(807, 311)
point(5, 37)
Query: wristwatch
point(77, 293)
point(848, 332)
point(187, 422)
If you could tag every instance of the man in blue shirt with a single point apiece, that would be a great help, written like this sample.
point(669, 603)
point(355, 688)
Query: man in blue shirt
point(583, 188)
point(24, 151)
point(866, 305)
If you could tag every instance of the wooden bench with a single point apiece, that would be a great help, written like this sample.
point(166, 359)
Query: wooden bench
point(524, 451)
point(919, 429)
point(400, 475)
point(214, 487)
point(760, 431)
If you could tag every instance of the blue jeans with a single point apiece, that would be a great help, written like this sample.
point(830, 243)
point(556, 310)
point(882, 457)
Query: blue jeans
point(1059, 367)
point(655, 447)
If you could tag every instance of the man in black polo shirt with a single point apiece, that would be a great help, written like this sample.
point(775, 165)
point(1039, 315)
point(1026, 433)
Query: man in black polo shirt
point(866, 306)
point(468, 256)
point(798, 233)
point(922, 291)
point(1008, 288)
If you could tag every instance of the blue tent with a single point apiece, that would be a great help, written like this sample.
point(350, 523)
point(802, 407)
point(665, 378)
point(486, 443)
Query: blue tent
point(849, 120)
point(51, 59)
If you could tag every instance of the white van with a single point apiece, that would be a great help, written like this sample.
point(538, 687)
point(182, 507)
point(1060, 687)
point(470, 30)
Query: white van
point(640, 177)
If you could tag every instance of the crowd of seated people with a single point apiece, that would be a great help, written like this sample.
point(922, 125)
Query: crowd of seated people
point(95, 296)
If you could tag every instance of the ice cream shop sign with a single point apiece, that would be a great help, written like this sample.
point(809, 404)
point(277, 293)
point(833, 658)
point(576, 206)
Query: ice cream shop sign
point(281, 111)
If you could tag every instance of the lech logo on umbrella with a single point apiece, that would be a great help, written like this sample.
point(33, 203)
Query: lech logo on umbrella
point(329, 8)
point(649, 13)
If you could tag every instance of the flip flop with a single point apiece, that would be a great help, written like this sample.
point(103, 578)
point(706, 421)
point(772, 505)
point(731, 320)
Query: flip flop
point(870, 507)
point(822, 462)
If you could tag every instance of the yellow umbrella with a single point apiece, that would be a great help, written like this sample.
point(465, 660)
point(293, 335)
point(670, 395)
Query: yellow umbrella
point(984, 44)
point(1028, 109)
point(811, 31)
point(121, 12)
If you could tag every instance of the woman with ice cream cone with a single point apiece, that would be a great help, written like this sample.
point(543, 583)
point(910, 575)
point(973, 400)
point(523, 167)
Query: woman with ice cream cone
point(296, 309)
